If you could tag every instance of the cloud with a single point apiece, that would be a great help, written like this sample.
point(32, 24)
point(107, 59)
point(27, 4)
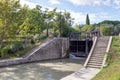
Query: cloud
point(30, 4)
point(112, 3)
point(116, 4)
point(80, 17)
point(97, 17)
point(85, 2)
point(107, 2)
point(54, 2)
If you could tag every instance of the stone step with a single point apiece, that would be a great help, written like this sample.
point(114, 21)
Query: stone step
point(99, 50)
point(101, 45)
point(100, 57)
point(96, 59)
point(104, 38)
point(95, 64)
point(91, 66)
point(98, 54)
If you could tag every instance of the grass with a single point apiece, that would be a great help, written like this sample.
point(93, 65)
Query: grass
point(112, 70)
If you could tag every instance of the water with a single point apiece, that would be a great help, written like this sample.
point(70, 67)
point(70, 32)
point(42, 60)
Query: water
point(43, 70)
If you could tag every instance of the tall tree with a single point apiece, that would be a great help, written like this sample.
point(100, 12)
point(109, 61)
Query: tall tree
point(87, 20)
point(8, 10)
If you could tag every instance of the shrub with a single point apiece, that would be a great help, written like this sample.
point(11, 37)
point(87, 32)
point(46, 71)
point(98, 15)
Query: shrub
point(43, 36)
point(4, 51)
point(32, 41)
point(38, 37)
point(105, 30)
point(56, 34)
point(15, 47)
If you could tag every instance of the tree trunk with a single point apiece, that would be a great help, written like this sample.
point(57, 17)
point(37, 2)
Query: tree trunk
point(47, 32)
point(2, 37)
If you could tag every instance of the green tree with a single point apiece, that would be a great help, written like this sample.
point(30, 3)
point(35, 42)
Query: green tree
point(87, 20)
point(77, 27)
point(87, 28)
point(8, 11)
point(36, 20)
point(63, 21)
point(105, 30)
point(49, 18)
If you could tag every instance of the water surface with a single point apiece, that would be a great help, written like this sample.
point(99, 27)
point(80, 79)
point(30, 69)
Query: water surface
point(43, 70)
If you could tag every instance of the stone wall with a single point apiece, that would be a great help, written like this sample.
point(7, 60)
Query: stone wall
point(53, 49)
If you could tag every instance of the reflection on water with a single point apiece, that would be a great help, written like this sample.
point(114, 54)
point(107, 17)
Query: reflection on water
point(44, 70)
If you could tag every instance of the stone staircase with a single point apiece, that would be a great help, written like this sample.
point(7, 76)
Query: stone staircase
point(97, 56)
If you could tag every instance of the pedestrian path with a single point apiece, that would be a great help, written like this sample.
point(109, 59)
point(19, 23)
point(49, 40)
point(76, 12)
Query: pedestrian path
point(82, 74)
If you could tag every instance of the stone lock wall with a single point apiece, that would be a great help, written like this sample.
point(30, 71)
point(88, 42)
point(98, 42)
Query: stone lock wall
point(53, 49)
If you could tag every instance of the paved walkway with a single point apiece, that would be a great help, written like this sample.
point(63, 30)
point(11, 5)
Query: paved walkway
point(83, 74)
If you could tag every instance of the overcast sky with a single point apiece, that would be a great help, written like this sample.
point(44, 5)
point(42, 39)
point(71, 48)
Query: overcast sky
point(98, 10)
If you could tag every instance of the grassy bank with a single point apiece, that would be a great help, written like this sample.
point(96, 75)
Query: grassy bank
point(112, 70)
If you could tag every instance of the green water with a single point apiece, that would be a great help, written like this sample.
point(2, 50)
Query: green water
point(43, 70)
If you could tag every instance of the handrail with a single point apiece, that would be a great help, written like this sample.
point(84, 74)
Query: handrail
point(91, 51)
point(109, 44)
point(107, 50)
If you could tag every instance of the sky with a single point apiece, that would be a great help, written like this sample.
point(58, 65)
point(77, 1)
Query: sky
point(98, 10)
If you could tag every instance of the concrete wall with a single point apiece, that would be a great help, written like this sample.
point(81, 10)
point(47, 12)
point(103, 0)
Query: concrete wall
point(53, 49)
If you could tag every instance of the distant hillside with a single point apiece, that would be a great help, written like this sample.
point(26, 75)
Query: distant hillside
point(113, 27)
point(109, 22)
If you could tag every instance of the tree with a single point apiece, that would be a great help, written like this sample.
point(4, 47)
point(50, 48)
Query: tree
point(8, 11)
point(87, 28)
point(105, 30)
point(63, 20)
point(77, 27)
point(87, 20)
point(49, 18)
point(36, 20)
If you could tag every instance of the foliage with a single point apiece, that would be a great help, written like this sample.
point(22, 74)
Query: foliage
point(8, 17)
point(87, 28)
point(4, 51)
point(87, 20)
point(109, 22)
point(77, 28)
point(20, 24)
point(113, 25)
point(105, 30)
point(15, 47)
point(39, 37)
